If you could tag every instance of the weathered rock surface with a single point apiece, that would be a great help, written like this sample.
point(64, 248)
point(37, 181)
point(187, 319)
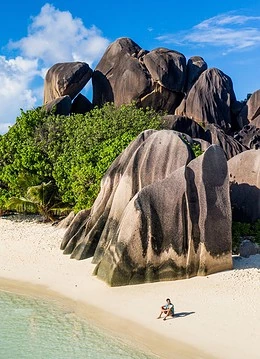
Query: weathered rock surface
point(159, 215)
point(248, 248)
point(59, 106)
point(244, 170)
point(64, 223)
point(230, 146)
point(251, 109)
point(195, 66)
point(253, 105)
point(102, 205)
point(210, 99)
point(128, 73)
point(249, 136)
point(66, 78)
point(81, 105)
point(150, 158)
point(167, 68)
point(185, 125)
point(175, 228)
point(256, 122)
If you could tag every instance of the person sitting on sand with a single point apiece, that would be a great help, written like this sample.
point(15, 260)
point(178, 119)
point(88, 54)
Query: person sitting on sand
point(167, 309)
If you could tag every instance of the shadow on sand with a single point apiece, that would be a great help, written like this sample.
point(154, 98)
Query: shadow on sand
point(246, 263)
point(182, 314)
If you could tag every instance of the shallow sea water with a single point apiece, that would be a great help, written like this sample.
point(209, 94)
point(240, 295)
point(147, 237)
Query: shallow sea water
point(31, 328)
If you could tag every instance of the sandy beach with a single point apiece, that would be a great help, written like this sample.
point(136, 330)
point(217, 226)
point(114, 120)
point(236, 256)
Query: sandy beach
point(217, 316)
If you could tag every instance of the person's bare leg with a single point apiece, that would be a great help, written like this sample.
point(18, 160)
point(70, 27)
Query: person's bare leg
point(162, 311)
point(160, 315)
point(167, 314)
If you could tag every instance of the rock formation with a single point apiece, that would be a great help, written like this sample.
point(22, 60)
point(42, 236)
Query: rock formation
point(185, 125)
point(195, 66)
point(230, 146)
point(159, 79)
point(81, 105)
point(244, 170)
point(249, 136)
point(159, 215)
point(59, 106)
point(251, 109)
point(128, 73)
point(212, 134)
point(173, 229)
point(67, 78)
point(150, 158)
point(210, 99)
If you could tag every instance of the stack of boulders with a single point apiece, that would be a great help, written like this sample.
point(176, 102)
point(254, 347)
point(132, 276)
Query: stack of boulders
point(163, 214)
point(161, 79)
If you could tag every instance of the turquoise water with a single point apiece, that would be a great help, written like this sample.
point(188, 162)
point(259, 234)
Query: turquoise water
point(31, 328)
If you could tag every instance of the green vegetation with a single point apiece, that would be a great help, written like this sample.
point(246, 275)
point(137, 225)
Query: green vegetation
point(43, 199)
point(196, 148)
point(71, 152)
point(240, 229)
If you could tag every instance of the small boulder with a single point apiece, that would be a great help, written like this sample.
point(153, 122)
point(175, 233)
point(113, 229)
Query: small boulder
point(248, 248)
point(81, 105)
point(59, 106)
point(66, 78)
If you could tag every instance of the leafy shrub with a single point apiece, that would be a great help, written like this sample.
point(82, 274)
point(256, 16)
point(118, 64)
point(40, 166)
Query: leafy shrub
point(196, 148)
point(73, 151)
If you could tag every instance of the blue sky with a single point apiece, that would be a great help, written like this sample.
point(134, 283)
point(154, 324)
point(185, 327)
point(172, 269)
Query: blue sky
point(37, 34)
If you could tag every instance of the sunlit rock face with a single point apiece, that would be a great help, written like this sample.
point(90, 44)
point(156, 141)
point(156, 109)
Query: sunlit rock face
point(176, 228)
point(128, 73)
point(160, 215)
point(153, 156)
point(251, 110)
point(244, 175)
point(67, 78)
point(210, 99)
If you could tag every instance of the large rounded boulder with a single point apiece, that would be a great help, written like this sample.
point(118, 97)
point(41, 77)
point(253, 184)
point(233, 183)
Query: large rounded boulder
point(210, 100)
point(173, 229)
point(66, 78)
point(153, 156)
point(244, 171)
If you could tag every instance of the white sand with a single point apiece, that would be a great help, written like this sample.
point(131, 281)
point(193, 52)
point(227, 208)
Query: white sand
point(218, 316)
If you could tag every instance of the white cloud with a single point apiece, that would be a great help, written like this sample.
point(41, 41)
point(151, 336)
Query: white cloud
point(15, 77)
point(230, 32)
point(53, 36)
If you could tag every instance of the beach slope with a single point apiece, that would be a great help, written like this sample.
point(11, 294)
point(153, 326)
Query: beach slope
point(217, 316)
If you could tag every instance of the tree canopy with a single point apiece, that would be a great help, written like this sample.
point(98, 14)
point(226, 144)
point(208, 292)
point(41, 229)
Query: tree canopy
point(73, 152)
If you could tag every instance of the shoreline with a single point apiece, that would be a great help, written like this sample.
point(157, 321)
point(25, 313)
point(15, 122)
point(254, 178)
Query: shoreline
point(147, 341)
point(217, 316)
